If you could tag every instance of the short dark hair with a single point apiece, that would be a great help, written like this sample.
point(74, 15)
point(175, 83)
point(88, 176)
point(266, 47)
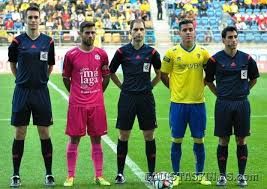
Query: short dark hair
point(33, 7)
point(86, 24)
point(183, 22)
point(227, 29)
point(136, 21)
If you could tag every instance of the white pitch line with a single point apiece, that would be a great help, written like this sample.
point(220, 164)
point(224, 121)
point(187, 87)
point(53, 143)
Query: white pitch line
point(129, 162)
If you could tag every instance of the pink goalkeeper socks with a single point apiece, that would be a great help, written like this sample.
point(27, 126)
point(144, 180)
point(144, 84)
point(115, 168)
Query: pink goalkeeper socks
point(72, 154)
point(97, 157)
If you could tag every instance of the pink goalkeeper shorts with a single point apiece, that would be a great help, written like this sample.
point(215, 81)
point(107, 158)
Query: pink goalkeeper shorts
point(91, 118)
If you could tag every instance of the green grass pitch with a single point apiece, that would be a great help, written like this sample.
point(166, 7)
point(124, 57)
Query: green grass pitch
point(32, 168)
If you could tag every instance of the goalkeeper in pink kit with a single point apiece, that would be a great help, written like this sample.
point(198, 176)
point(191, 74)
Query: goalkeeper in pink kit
point(86, 76)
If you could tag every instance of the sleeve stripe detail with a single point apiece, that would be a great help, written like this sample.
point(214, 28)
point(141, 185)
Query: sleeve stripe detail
point(16, 41)
point(213, 59)
point(51, 41)
point(154, 50)
point(249, 57)
point(119, 50)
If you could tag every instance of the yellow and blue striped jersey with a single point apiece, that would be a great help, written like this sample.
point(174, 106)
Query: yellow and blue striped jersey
point(185, 69)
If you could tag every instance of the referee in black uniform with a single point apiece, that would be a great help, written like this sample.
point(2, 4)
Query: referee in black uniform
point(136, 98)
point(31, 57)
point(235, 73)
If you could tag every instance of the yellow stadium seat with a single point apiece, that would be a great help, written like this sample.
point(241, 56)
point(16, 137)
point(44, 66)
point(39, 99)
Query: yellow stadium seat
point(149, 24)
point(116, 38)
point(107, 37)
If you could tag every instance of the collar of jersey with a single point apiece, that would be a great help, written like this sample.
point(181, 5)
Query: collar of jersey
point(188, 50)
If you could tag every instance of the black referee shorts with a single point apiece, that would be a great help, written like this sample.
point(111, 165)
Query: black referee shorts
point(31, 101)
point(232, 116)
point(141, 105)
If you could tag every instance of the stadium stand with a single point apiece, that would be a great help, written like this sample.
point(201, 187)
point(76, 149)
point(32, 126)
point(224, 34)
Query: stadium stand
point(61, 18)
point(250, 17)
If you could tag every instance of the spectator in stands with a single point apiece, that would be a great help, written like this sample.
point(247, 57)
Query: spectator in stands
point(253, 17)
point(74, 34)
point(113, 11)
point(23, 7)
point(58, 24)
point(1, 21)
point(106, 15)
point(74, 23)
point(98, 13)
point(262, 22)
point(80, 7)
point(3, 34)
point(188, 7)
point(247, 4)
point(72, 8)
point(179, 5)
point(129, 15)
point(121, 19)
point(203, 7)
point(104, 5)
point(42, 17)
point(49, 23)
point(16, 15)
point(190, 15)
point(9, 24)
point(65, 16)
point(80, 18)
point(10, 7)
point(66, 24)
point(138, 14)
point(18, 25)
point(241, 26)
point(145, 9)
point(208, 35)
point(159, 6)
point(127, 5)
point(89, 17)
point(233, 8)
point(59, 7)
point(247, 19)
point(226, 7)
point(255, 4)
point(195, 2)
point(182, 15)
point(98, 23)
point(107, 24)
point(48, 8)
point(136, 5)
point(263, 4)
point(175, 24)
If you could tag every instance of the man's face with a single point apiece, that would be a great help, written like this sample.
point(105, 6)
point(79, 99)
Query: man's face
point(33, 20)
point(138, 32)
point(187, 33)
point(88, 36)
point(231, 40)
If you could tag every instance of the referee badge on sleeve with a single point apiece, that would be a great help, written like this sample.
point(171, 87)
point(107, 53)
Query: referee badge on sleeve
point(43, 56)
point(146, 67)
point(244, 74)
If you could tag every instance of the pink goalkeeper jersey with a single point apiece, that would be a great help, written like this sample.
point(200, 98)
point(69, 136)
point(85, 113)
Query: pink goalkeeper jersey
point(85, 69)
